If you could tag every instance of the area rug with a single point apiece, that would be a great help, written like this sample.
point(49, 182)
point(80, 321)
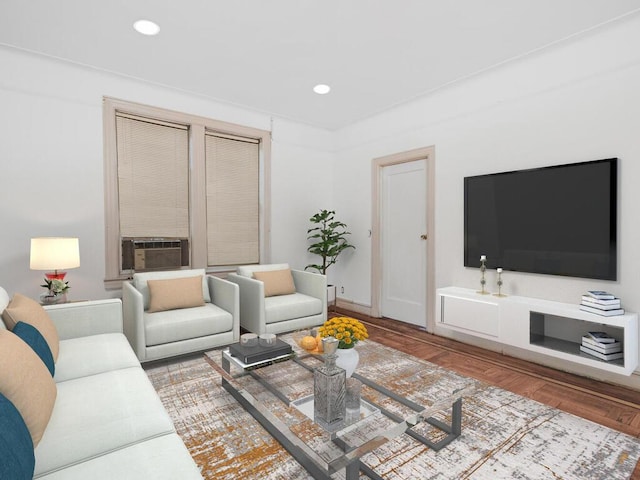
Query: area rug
point(504, 435)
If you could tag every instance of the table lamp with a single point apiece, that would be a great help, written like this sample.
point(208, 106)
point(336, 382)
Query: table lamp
point(54, 253)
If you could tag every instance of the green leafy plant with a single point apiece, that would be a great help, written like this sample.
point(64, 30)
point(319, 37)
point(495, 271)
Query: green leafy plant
point(56, 286)
point(329, 239)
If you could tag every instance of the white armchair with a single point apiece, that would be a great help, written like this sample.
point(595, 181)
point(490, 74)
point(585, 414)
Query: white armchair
point(304, 308)
point(215, 321)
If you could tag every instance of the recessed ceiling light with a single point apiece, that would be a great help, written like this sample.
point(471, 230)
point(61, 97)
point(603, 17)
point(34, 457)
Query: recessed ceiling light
point(146, 27)
point(322, 89)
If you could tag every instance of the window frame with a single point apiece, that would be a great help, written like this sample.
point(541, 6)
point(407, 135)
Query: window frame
point(197, 126)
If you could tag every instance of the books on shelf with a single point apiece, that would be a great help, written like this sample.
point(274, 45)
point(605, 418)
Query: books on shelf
point(601, 295)
point(600, 306)
point(602, 356)
point(615, 302)
point(599, 311)
point(601, 337)
point(601, 303)
point(601, 345)
point(604, 308)
point(613, 347)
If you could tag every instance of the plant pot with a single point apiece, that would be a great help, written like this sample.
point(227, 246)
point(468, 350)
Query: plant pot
point(331, 293)
point(49, 298)
point(348, 359)
point(331, 298)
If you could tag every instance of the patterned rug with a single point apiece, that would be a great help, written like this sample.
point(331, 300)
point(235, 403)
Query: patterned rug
point(504, 435)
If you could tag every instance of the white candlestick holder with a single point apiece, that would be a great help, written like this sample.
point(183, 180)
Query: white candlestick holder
point(483, 281)
point(499, 283)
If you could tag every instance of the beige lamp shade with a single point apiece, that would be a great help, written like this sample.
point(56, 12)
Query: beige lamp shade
point(54, 253)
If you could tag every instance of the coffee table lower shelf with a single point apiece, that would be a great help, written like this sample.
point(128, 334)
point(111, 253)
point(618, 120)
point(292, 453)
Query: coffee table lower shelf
point(289, 441)
point(452, 430)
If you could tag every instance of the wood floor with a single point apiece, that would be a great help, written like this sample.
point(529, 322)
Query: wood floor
point(610, 405)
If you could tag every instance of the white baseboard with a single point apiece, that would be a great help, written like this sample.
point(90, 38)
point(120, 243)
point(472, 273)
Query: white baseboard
point(354, 307)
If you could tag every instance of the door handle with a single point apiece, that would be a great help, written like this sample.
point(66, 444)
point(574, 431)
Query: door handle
point(423, 236)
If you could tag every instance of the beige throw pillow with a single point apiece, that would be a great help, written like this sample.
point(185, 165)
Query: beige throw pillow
point(26, 382)
point(276, 282)
point(175, 293)
point(27, 310)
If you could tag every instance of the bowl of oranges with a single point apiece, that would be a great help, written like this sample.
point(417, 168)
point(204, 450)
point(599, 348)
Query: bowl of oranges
point(308, 340)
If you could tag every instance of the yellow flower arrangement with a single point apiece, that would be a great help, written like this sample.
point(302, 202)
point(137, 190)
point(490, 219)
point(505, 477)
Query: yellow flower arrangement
point(347, 330)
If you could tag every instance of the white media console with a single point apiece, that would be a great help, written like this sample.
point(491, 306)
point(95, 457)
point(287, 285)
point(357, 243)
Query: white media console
point(546, 327)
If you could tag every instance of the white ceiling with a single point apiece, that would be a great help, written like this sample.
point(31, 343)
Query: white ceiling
point(268, 54)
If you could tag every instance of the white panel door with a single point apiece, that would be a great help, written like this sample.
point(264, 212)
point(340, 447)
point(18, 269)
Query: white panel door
point(403, 242)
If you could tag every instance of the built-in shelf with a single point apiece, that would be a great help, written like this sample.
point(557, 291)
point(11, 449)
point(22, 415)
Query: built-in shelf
point(549, 328)
point(566, 346)
point(564, 334)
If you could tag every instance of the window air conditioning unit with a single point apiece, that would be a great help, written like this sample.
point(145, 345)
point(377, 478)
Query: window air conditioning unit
point(154, 254)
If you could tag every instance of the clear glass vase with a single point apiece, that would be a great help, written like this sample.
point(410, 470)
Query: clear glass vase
point(51, 298)
point(329, 388)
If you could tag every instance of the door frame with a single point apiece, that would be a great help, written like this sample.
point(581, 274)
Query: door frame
point(378, 164)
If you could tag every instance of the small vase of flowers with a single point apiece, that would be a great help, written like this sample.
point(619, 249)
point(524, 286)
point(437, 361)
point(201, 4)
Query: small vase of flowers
point(348, 331)
point(56, 291)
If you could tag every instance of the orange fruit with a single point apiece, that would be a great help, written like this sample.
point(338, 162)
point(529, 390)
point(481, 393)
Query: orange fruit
point(308, 343)
point(319, 343)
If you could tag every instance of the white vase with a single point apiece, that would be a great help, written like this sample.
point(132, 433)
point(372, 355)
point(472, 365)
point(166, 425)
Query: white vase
point(50, 298)
point(348, 359)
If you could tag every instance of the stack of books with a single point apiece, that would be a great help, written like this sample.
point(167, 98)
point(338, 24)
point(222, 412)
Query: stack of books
point(259, 353)
point(602, 346)
point(601, 303)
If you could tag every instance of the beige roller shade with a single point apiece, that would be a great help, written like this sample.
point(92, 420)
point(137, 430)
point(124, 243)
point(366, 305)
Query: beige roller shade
point(233, 196)
point(153, 178)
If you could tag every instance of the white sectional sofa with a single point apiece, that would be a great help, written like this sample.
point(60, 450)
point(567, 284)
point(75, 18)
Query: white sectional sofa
point(107, 421)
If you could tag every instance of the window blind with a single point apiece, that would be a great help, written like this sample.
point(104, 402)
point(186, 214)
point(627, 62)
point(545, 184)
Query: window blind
point(153, 178)
point(233, 200)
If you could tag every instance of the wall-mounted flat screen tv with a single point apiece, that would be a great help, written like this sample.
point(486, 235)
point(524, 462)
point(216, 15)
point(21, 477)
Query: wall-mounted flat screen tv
point(558, 220)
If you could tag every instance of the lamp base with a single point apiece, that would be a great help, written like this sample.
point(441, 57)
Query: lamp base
point(55, 275)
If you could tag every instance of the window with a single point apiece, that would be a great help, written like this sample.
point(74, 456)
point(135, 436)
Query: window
point(233, 217)
point(185, 190)
point(153, 178)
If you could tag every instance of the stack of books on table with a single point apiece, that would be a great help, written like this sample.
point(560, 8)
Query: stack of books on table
point(601, 303)
point(259, 353)
point(602, 346)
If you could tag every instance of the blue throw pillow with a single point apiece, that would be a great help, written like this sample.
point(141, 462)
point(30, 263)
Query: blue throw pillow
point(17, 460)
point(32, 337)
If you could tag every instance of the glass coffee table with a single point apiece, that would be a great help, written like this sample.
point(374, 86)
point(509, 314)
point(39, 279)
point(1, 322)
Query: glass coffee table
point(279, 394)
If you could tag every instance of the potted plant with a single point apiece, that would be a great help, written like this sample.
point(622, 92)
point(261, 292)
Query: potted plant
point(348, 331)
point(328, 237)
point(56, 291)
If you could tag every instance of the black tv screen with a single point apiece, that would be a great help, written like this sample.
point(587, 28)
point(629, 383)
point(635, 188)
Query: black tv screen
point(559, 220)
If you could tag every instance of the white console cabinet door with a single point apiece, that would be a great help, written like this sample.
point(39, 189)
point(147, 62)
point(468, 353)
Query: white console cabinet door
point(476, 316)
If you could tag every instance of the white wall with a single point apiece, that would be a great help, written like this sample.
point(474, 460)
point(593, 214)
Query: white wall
point(570, 103)
point(51, 157)
point(301, 181)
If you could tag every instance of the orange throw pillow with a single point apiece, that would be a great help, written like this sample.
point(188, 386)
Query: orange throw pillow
point(276, 282)
point(174, 293)
point(27, 310)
